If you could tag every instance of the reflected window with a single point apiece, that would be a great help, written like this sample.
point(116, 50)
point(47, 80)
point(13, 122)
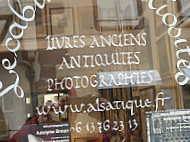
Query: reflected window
point(113, 14)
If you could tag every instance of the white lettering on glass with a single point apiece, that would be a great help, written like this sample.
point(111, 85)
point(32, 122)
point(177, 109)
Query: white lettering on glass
point(6, 62)
point(181, 77)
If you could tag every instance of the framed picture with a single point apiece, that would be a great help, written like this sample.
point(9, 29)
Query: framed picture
point(158, 24)
point(5, 21)
point(61, 21)
point(164, 57)
point(86, 21)
point(116, 15)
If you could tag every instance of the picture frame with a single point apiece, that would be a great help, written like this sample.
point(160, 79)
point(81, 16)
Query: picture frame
point(111, 16)
point(86, 21)
point(164, 58)
point(158, 24)
point(61, 21)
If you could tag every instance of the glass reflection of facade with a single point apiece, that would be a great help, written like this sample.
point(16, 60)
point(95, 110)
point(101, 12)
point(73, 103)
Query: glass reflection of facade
point(93, 71)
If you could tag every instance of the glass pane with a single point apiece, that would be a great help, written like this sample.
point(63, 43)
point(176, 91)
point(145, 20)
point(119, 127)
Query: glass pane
point(94, 71)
